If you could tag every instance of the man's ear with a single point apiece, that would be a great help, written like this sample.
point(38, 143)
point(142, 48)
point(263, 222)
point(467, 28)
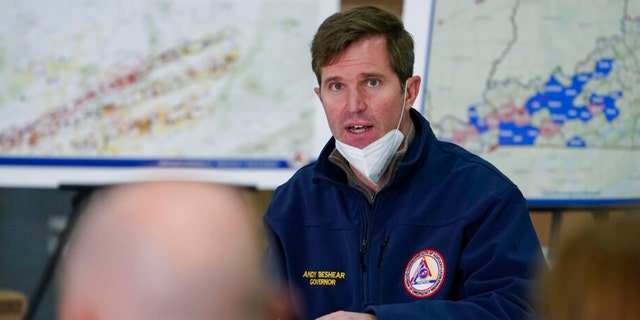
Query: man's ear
point(317, 91)
point(413, 88)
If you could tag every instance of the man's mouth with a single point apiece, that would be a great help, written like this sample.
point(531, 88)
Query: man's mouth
point(358, 128)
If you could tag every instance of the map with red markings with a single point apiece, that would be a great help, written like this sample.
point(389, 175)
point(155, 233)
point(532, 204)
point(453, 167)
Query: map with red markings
point(191, 80)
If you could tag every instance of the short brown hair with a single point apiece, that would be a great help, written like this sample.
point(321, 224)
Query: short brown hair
point(595, 275)
point(342, 29)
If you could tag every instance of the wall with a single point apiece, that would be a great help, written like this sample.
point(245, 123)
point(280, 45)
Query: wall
point(30, 220)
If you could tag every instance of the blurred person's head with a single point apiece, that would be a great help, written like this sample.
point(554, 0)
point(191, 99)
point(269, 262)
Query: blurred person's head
point(595, 274)
point(164, 250)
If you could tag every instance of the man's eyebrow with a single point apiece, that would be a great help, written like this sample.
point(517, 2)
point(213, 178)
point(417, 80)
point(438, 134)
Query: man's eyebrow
point(369, 75)
point(332, 79)
point(365, 75)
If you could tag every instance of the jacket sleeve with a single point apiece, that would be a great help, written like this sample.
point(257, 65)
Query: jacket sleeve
point(496, 273)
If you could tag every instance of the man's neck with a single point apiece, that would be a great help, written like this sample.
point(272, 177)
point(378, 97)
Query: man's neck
point(358, 181)
point(374, 187)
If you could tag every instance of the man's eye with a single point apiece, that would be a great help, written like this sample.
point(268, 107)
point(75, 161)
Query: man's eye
point(373, 83)
point(335, 86)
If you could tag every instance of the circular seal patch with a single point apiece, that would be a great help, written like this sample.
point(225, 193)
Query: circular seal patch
point(424, 274)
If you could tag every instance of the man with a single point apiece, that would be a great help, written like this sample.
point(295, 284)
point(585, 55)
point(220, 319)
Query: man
point(389, 222)
point(165, 250)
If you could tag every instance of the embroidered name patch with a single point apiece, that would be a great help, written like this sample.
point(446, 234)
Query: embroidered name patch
point(324, 278)
point(424, 274)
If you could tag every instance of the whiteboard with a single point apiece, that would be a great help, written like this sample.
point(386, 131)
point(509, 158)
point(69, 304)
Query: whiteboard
point(95, 92)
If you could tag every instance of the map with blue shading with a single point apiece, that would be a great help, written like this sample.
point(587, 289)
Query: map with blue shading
point(558, 100)
point(548, 91)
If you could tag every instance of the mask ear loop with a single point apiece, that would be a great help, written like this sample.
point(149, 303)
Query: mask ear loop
point(404, 101)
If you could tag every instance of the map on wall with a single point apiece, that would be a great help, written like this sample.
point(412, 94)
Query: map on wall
point(196, 83)
point(548, 91)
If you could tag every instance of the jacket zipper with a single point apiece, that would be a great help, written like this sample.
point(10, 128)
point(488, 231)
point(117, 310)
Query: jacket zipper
point(382, 246)
point(380, 271)
point(363, 250)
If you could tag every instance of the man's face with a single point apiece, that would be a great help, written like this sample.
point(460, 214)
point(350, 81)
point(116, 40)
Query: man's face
point(361, 94)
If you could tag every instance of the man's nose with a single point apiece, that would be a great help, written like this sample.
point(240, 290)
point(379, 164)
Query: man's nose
point(355, 101)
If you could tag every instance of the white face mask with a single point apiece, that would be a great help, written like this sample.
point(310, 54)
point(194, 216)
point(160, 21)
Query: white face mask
point(372, 160)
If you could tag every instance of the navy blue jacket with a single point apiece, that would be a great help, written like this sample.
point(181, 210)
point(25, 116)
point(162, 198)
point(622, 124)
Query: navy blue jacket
point(449, 237)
